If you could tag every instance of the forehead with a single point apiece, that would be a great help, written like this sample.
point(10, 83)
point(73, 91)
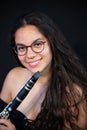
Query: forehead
point(28, 33)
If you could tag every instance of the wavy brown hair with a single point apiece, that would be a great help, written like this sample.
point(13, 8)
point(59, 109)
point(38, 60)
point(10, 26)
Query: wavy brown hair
point(66, 71)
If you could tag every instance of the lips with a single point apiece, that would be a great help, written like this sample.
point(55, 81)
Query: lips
point(34, 63)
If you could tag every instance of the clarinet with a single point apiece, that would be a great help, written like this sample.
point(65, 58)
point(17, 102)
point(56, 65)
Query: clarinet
point(8, 110)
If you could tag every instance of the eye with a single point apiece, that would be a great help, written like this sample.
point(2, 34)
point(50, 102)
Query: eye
point(20, 48)
point(38, 44)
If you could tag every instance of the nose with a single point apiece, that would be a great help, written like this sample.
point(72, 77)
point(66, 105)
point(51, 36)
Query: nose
point(30, 53)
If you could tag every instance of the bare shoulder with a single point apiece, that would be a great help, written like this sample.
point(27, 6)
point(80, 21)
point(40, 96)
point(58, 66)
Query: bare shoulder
point(78, 105)
point(13, 74)
point(78, 89)
point(11, 82)
point(15, 71)
point(75, 94)
point(82, 106)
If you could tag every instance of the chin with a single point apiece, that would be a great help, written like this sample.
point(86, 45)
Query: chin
point(34, 71)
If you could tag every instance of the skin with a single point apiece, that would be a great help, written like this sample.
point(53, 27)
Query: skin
point(18, 76)
point(33, 61)
point(8, 125)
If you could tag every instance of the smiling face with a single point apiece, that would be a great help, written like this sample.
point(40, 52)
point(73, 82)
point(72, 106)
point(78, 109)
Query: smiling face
point(33, 61)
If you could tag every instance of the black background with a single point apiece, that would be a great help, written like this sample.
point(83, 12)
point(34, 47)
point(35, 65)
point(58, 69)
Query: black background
point(70, 15)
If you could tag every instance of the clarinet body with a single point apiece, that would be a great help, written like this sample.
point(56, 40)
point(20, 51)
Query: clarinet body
point(5, 114)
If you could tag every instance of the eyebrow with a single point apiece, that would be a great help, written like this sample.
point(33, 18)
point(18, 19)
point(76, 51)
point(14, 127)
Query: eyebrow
point(39, 39)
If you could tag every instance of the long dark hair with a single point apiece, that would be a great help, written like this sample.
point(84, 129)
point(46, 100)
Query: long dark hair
point(66, 71)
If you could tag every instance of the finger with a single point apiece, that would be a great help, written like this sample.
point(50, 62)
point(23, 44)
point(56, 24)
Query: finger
point(3, 122)
point(6, 124)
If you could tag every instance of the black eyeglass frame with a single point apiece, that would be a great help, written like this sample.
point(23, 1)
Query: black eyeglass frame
point(31, 46)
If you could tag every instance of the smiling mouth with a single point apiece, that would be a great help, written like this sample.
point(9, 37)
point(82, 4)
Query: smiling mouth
point(34, 64)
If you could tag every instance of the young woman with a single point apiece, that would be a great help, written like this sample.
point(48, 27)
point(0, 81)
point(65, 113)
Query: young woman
point(58, 100)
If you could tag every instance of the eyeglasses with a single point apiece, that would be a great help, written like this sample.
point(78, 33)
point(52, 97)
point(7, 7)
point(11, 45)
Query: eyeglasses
point(36, 46)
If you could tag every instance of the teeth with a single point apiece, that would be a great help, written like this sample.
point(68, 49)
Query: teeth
point(34, 62)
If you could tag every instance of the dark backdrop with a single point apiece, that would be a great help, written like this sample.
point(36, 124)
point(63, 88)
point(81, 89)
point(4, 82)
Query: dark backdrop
point(70, 15)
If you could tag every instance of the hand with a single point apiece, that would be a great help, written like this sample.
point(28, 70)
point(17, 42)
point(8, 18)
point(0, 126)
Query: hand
point(6, 124)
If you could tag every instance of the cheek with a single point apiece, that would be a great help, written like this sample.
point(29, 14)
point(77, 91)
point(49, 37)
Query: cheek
point(21, 58)
point(47, 52)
